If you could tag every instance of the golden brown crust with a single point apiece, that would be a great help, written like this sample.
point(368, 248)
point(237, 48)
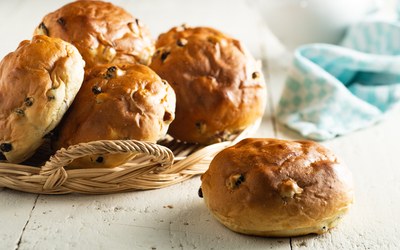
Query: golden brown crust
point(220, 88)
point(38, 82)
point(102, 32)
point(117, 103)
point(273, 187)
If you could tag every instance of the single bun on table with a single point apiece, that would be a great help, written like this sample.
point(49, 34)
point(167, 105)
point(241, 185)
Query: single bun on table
point(220, 89)
point(117, 102)
point(102, 32)
point(277, 188)
point(38, 82)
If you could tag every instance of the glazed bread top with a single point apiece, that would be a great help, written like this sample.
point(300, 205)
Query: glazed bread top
point(38, 82)
point(119, 102)
point(275, 187)
point(219, 86)
point(102, 32)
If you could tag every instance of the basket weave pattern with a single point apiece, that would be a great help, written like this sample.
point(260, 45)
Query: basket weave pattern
point(154, 166)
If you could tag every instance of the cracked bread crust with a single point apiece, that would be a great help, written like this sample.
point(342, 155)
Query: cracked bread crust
point(219, 86)
point(38, 82)
point(117, 102)
point(102, 32)
point(287, 188)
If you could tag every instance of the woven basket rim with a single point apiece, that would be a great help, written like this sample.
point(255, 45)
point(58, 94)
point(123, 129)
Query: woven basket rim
point(154, 166)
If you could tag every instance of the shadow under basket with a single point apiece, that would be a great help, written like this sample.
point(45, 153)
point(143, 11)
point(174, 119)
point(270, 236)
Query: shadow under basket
point(155, 166)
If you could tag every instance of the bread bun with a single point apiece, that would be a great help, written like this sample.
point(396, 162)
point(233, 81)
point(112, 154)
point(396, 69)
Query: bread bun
point(38, 82)
point(102, 32)
point(277, 188)
point(117, 103)
point(219, 86)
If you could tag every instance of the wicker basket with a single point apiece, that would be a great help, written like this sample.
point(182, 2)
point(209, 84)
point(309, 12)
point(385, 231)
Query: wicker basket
point(155, 166)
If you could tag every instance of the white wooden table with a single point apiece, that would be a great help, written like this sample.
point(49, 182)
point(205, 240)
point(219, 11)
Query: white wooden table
point(175, 217)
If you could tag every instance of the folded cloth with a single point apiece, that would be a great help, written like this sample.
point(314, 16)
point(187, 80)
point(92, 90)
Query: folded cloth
point(333, 90)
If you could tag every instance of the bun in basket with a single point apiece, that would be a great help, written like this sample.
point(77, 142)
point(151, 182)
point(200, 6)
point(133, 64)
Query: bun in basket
point(102, 32)
point(117, 103)
point(219, 86)
point(277, 188)
point(38, 83)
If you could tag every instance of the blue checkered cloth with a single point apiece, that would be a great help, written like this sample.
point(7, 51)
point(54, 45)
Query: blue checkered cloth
point(334, 90)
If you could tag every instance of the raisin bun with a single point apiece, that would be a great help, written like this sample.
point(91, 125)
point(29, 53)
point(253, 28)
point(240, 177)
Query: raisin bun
point(219, 86)
point(38, 82)
point(102, 32)
point(117, 103)
point(277, 188)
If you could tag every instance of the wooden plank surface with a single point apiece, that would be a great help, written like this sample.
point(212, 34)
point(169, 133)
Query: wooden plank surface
point(15, 211)
point(175, 217)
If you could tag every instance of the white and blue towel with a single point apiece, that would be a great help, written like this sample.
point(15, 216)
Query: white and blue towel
point(333, 90)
